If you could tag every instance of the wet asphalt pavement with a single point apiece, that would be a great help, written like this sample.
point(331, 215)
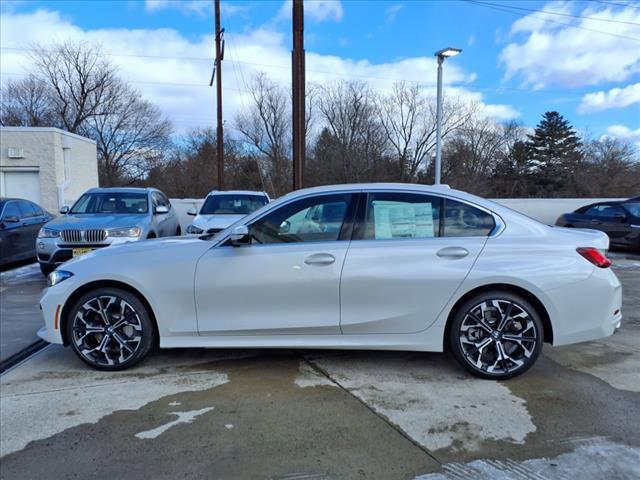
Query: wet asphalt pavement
point(316, 414)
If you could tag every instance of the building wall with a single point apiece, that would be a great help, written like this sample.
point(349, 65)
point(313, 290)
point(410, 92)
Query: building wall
point(43, 152)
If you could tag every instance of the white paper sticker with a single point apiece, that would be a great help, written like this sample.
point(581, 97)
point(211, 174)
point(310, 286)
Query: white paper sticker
point(402, 220)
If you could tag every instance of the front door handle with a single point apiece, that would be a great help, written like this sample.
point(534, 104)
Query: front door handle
point(597, 222)
point(320, 259)
point(453, 253)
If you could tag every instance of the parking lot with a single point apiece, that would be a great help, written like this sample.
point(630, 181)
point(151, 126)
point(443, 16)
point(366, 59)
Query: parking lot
point(319, 414)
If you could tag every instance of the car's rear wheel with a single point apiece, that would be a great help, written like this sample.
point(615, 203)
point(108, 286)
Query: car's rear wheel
point(110, 329)
point(496, 335)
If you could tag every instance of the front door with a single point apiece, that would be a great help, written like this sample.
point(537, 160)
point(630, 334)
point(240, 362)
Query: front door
point(407, 259)
point(287, 280)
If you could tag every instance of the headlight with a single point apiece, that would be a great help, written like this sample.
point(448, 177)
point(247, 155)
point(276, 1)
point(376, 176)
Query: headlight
point(131, 232)
point(48, 233)
point(58, 276)
point(194, 229)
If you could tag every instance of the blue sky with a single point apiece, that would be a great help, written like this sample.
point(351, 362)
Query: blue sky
point(515, 63)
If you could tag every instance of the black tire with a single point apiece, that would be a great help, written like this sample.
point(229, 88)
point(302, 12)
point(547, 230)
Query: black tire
point(178, 232)
point(114, 347)
point(46, 269)
point(484, 331)
point(151, 235)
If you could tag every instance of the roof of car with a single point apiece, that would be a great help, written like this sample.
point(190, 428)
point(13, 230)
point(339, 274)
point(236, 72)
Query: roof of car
point(236, 192)
point(122, 190)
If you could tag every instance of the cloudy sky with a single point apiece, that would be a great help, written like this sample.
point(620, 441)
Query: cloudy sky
point(519, 59)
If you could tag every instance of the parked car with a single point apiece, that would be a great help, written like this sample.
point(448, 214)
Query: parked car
point(221, 209)
point(20, 221)
point(410, 267)
point(102, 217)
point(619, 220)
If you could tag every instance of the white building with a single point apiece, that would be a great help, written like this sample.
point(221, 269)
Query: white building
point(46, 165)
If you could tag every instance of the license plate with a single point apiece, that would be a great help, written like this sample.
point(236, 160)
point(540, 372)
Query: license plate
point(76, 252)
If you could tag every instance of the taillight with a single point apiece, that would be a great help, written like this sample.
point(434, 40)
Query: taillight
point(595, 256)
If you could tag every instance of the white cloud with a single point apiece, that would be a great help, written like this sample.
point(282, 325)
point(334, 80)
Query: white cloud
point(198, 7)
point(173, 70)
point(614, 98)
point(317, 10)
point(471, 40)
point(500, 112)
point(391, 12)
point(553, 54)
point(624, 133)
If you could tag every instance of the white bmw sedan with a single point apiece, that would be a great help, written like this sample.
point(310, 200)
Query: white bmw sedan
point(369, 266)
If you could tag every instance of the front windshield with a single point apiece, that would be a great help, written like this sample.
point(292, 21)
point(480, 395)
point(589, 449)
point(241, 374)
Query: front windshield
point(112, 203)
point(633, 208)
point(232, 204)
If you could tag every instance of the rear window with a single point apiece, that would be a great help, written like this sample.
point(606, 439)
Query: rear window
point(232, 204)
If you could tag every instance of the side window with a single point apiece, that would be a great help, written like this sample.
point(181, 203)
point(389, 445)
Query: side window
point(27, 209)
point(155, 199)
point(162, 199)
point(38, 209)
point(463, 220)
point(12, 210)
point(401, 215)
point(315, 219)
point(612, 211)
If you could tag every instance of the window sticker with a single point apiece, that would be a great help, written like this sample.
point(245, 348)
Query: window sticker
point(402, 220)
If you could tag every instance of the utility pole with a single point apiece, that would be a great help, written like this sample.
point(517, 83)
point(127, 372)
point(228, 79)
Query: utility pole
point(298, 97)
point(218, 68)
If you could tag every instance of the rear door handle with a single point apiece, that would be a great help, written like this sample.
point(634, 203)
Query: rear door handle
point(597, 222)
point(453, 253)
point(320, 259)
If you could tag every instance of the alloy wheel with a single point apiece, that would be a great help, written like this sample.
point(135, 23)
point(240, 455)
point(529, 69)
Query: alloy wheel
point(498, 337)
point(107, 331)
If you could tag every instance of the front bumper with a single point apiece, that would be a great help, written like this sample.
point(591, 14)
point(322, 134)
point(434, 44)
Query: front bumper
point(54, 251)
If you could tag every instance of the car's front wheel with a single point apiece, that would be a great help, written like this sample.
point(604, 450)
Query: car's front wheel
point(46, 269)
point(110, 329)
point(496, 335)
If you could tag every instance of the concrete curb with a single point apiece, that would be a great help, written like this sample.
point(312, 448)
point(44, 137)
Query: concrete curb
point(21, 355)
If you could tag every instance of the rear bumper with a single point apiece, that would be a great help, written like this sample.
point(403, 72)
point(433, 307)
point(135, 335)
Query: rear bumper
point(586, 310)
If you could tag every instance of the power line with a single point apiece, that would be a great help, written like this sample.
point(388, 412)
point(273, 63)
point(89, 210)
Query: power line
point(547, 12)
point(504, 9)
point(615, 4)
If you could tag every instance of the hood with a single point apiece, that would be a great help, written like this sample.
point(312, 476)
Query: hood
point(152, 246)
point(206, 222)
point(97, 221)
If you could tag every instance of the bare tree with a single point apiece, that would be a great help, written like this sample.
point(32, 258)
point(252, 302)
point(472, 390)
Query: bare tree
point(266, 129)
point(348, 112)
point(131, 134)
point(408, 118)
point(611, 168)
point(80, 80)
point(27, 103)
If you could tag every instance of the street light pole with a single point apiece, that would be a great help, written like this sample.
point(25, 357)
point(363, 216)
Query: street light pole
point(441, 55)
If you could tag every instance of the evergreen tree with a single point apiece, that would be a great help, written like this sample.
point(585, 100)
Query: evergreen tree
point(553, 154)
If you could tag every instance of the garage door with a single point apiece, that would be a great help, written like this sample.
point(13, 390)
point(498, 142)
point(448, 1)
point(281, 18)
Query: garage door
point(22, 185)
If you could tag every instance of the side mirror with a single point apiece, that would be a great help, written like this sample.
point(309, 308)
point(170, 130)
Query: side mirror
point(192, 211)
point(285, 227)
point(161, 209)
point(240, 236)
point(64, 210)
point(11, 219)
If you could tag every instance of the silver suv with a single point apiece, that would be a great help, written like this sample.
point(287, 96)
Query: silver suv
point(103, 217)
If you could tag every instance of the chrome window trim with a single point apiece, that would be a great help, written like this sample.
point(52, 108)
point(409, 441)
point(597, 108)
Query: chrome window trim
point(497, 230)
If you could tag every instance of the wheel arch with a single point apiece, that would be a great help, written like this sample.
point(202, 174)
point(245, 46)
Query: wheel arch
point(526, 294)
point(87, 287)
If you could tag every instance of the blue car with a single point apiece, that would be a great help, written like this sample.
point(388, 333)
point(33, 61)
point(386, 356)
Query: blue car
point(20, 221)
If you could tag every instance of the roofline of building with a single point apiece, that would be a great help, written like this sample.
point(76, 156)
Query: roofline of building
point(47, 129)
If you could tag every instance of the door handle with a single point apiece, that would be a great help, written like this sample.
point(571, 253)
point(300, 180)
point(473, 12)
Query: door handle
point(597, 222)
point(320, 259)
point(453, 253)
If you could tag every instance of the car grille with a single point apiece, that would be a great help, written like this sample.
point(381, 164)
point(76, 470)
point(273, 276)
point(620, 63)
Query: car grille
point(84, 236)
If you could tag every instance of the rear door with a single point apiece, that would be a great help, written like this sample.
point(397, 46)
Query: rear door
point(409, 255)
point(31, 221)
